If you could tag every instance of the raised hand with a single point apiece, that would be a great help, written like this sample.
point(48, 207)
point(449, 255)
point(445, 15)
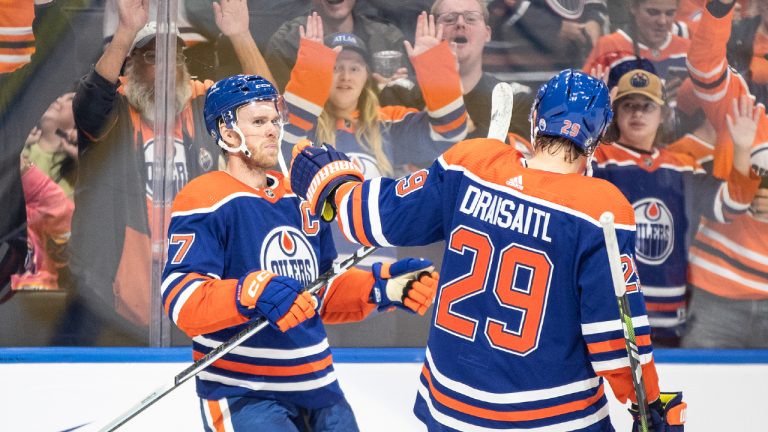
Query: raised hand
point(428, 34)
point(742, 126)
point(231, 17)
point(314, 30)
point(133, 14)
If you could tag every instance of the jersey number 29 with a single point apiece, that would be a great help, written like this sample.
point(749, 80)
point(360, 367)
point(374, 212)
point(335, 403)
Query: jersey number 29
point(520, 283)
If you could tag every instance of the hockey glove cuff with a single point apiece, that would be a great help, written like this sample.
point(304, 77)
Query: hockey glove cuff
point(275, 297)
point(316, 172)
point(409, 284)
point(666, 414)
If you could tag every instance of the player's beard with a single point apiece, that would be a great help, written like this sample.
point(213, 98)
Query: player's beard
point(141, 95)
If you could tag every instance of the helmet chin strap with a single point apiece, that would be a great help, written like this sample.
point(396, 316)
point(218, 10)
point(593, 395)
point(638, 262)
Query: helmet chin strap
point(241, 148)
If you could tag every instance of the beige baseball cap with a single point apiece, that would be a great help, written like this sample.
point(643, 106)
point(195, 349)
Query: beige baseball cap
point(641, 82)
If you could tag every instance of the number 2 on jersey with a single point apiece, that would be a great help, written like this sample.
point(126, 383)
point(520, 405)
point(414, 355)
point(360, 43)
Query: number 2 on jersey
point(521, 284)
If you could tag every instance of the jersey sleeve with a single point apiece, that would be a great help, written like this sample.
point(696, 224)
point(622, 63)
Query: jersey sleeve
point(346, 299)
point(719, 200)
point(308, 90)
point(600, 323)
point(715, 83)
point(388, 212)
point(194, 296)
point(440, 85)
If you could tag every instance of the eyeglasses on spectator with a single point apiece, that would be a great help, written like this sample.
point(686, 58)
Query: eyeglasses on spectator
point(150, 57)
point(470, 18)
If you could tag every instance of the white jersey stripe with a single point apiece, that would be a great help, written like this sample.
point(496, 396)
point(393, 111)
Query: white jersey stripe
point(170, 280)
point(374, 189)
point(672, 291)
point(613, 325)
point(733, 246)
point(509, 398)
point(618, 363)
point(726, 273)
point(269, 353)
point(457, 424)
point(182, 298)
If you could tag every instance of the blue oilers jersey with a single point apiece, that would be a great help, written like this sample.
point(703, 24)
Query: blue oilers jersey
point(220, 230)
point(525, 321)
point(669, 192)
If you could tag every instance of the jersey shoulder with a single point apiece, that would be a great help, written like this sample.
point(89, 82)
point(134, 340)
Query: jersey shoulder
point(206, 191)
point(593, 197)
point(481, 155)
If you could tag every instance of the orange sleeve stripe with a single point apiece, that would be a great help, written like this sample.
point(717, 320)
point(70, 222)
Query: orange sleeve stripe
point(312, 75)
point(623, 389)
point(210, 308)
point(357, 215)
point(178, 286)
point(273, 371)
point(510, 416)
point(616, 344)
point(664, 307)
point(449, 127)
point(299, 122)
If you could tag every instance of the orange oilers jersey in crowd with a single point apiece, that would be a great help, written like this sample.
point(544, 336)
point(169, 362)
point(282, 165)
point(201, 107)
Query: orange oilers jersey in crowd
point(409, 136)
point(666, 189)
point(617, 47)
point(17, 43)
point(726, 260)
point(525, 324)
point(220, 230)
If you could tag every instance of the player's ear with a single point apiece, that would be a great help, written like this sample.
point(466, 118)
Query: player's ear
point(488, 33)
point(229, 136)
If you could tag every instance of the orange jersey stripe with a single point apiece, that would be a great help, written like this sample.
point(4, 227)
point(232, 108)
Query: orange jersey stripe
point(216, 415)
point(616, 344)
point(178, 286)
point(274, 371)
point(510, 416)
point(441, 129)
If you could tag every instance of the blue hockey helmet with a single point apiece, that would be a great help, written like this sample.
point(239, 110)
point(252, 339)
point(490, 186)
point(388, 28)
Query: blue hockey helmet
point(572, 105)
point(224, 98)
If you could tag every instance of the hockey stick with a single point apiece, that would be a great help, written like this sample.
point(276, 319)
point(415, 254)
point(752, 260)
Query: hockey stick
point(252, 328)
point(620, 289)
point(502, 100)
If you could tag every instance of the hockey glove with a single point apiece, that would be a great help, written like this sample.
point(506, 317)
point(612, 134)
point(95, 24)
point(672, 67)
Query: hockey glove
point(316, 172)
point(667, 414)
point(277, 298)
point(409, 284)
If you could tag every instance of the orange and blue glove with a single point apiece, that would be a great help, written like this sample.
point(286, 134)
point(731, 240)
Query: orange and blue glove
point(279, 299)
point(316, 172)
point(409, 284)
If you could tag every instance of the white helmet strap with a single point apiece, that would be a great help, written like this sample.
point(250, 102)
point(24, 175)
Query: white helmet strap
point(242, 147)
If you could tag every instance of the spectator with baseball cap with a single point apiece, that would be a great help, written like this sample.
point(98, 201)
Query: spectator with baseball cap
point(668, 192)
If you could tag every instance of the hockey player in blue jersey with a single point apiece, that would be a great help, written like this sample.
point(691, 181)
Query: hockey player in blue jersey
point(242, 247)
point(526, 324)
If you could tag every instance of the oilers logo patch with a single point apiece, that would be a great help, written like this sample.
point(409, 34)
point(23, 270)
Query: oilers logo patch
point(287, 252)
point(639, 80)
point(179, 166)
point(655, 231)
point(366, 163)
